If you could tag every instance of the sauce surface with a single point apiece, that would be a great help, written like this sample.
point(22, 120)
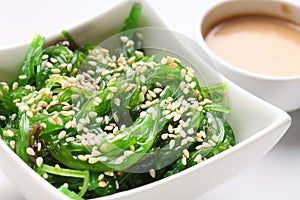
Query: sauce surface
point(260, 44)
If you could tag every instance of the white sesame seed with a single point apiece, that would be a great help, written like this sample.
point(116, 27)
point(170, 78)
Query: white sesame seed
point(184, 142)
point(143, 114)
point(215, 138)
point(154, 115)
point(30, 151)
point(113, 89)
point(53, 60)
point(177, 116)
point(92, 63)
point(2, 118)
point(169, 116)
point(171, 144)
point(100, 177)
point(143, 78)
point(200, 108)
point(183, 72)
point(43, 125)
point(141, 97)
point(166, 112)
point(123, 126)
point(185, 91)
point(106, 119)
point(39, 146)
point(186, 153)
point(212, 143)
point(68, 124)
point(198, 158)
point(45, 57)
point(28, 87)
point(182, 85)
point(152, 93)
point(206, 144)
point(108, 128)
point(105, 51)
point(190, 131)
point(93, 160)
point(22, 77)
point(183, 160)
point(117, 184)
point(116, 129)
point(63, 65)
point(6, 88)
point(39, 161)
point(164, 136)
point(29, 113)
point(129, 43)
point(102, 184)
point(92, 114)
point(59, 121)
point(56, 166)
point(170, 128)
point(157, 90)
point(131, 60)
point(182, 133)
point(102, 158)
point(98, 100)
point(49, 65)
point(12, 144)
point(203, 134)
point(124, 39)
point(82, 157)
point(99, 119)
point(149, 97)
point(15, 85)
point(96, 153)
point(109, 173)
point(116, 117)
point(119, 160)
point(193, 84)
point(209, 120)
point(117, 101)
point(152, 173)
point(109, 96)
point(144, 89)
point(55, 71)
point(69, 67)
point(62, 134)
point(8, 133)
point(163, 61)
point(68, 113)
point(188, 78)
point(70, 139)
point(139, 54)
point(45, 175)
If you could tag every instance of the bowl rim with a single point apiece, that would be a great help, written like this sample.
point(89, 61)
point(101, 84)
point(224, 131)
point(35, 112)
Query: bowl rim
point(200, 40)
point(281, 118)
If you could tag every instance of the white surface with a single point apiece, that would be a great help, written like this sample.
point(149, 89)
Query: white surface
point(276, 176)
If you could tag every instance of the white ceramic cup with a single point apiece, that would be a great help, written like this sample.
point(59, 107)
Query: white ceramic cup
point(281, 91)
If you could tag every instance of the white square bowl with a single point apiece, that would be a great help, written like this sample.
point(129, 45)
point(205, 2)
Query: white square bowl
point(258, 126)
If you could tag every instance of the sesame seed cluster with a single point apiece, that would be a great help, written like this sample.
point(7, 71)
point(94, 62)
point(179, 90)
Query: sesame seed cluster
point(94, 121)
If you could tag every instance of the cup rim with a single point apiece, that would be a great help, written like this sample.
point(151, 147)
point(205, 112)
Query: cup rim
point(200, 40)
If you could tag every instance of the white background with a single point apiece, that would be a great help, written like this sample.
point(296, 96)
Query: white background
point(276, 176)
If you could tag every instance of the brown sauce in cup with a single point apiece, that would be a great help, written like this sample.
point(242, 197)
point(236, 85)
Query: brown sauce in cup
point(257, 43)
